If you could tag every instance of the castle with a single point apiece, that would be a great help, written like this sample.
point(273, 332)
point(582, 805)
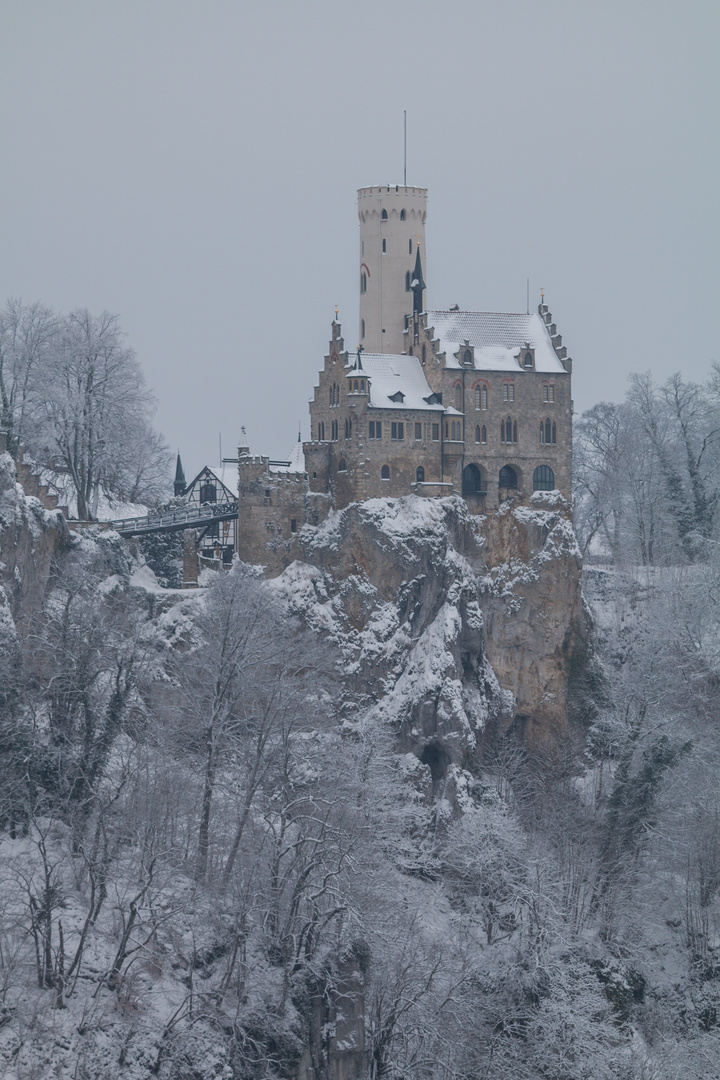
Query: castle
point(431, 402)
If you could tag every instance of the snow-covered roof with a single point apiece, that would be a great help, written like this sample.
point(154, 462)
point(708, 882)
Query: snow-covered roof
point(498, 338)
point(295, 463)
point(389, 373)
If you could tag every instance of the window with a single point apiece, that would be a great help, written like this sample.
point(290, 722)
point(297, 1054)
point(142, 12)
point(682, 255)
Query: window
point(321, 431)
point(407, 281)
point(409, 247)
point(342, 467)
point(436, 433)
point(420, 475)
point(467, 357)
point(423, 353)
point(362, 386)
point(402, 215)
point(397, 431)
point(384, 215)
point(549, 393)
point(356, 386)
point(554, 433)
point(477, 397)
point(483, 434)
point(542, 433)
point(477, 433)
point(363, 282)
point(385, 472)
point(508, 391)
point(334, 430)
point(508, 478)
point(362, 328)
point(548, 431)
point(484, 397)
point(418, 432)
point(375, 429)
point(508, 431)
point(458, 397)
point(543, 479)
point(348, 428)
point(293, 525)
point(551, 390)
point(208, 493)
point(446, 430)
point(384, 246)
point(528, 361)
point(514, 431)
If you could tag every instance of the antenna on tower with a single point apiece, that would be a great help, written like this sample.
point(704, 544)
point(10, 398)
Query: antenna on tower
point(405, 147)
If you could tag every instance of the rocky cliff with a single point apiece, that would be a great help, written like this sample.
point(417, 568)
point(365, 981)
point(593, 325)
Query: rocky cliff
point(454, 627)
point(30, 537)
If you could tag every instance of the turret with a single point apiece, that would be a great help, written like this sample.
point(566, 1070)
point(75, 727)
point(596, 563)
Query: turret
point(179, 485)
point(392, 250)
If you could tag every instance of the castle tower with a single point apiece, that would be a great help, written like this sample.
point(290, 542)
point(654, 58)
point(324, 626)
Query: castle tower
point(392, 236)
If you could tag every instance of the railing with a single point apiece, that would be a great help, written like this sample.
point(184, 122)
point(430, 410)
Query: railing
point(185, 517)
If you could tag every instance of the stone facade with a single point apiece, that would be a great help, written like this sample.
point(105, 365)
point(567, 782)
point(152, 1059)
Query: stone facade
point(452, 402)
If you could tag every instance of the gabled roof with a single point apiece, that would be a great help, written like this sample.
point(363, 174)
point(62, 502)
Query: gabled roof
point(207, 474)
point(498, 338)
point(389, 373)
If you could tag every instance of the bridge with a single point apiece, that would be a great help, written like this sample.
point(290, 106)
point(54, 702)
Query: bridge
point(185, 517)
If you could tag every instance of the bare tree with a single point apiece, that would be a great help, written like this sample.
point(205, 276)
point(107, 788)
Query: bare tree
point(28, 337)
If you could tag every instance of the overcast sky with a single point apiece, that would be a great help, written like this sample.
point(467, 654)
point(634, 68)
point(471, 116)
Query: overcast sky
point(192, 165)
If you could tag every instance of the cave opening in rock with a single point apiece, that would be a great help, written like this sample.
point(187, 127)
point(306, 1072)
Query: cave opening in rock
point(437, 760)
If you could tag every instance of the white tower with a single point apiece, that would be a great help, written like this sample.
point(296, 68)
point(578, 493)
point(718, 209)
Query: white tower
point(392, 231)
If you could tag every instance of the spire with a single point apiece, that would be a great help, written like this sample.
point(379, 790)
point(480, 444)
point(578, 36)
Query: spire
point(417, 285)
point(179, 485)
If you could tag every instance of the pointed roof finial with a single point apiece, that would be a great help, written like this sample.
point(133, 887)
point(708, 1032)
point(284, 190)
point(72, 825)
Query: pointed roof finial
point(358, 361)
point(336, 313)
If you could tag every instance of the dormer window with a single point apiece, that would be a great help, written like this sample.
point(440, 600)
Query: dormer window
point(397, 396)
point(467, 357)
point(527, 356)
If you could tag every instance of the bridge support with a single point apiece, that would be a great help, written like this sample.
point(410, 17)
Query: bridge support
point(190, 560)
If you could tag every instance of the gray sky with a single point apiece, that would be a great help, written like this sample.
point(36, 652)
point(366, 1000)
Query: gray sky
point(192, 165)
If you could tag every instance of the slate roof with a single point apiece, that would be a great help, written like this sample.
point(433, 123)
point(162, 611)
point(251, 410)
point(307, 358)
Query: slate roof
point(498, 338)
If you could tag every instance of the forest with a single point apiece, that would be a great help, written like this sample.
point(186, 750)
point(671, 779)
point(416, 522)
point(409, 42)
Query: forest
point(215, 862)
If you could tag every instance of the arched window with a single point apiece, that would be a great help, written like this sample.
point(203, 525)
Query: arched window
point(542, 433)
point(342, 467)
point(423, 353)
point(483, 434)
point(508, 478)
point(409, 247)
point(420, 475)
point(349, 430)
point(477, 397)
point(543, 479)
point(402, 215)
point(446, 430)
point(467, 357)
point(334, 431)
point(356, 386)
point(330, 395)
point(362, 385)
point(385, 472)
point(407, 281)
point(458, 397)
point(384, 215)
point(477, 433)
point(554, 433)
point(362, 328)
point(321, 431)
point(484, 398)
point(502, 431)
point(452, 430)
point(548, 431)
point(472, 482)
point(384, 246)
point(508, 430)
point(528, 359)
point(514, 431)
point(363, 282)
